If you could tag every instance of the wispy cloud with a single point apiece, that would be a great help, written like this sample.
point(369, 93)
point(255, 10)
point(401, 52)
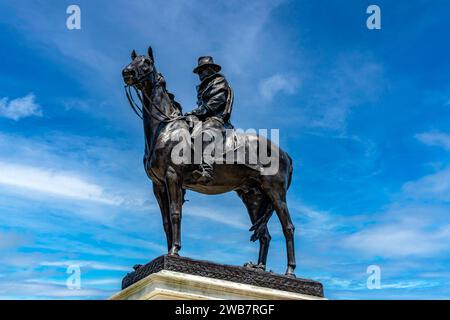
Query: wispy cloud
point(408, 285)
point(277, 83)
point(11, 240)
point(59, 184)
point(92, 169)
point(353, 80)
point(19, 108)
point(399, 239)
point(437, 139)
point(86, 264)
point(25, 290)
point(217, 216)
point(415, 224)
point(412, 226)
point(314, 223)
point(435, 187)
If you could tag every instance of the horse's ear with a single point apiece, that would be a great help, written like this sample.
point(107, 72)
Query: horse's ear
point(133, 54)
point(150, 53)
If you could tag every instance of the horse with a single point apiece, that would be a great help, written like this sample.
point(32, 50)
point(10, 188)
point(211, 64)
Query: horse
point(261, 193)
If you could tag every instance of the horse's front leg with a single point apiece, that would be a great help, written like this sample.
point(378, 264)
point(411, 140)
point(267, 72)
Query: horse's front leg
point(163, 200)
point(175, 192)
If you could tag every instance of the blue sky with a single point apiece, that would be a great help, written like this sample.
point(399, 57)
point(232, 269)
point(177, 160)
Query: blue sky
point(364, 114)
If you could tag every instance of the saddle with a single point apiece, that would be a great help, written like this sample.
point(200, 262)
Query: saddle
point(234, 144)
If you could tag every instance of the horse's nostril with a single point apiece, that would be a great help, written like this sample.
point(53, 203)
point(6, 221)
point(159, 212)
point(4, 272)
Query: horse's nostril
point(128, 72)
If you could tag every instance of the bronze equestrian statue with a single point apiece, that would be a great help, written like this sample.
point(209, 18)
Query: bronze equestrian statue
point(163, 119)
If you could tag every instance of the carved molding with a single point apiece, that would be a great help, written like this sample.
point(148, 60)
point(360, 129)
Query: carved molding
point(224, 272)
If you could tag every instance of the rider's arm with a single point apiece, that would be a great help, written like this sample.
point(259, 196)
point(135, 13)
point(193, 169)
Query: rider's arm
point(200, 111)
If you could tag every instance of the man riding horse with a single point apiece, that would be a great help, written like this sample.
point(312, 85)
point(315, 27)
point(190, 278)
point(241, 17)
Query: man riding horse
point(214, 105)
point(262, 191)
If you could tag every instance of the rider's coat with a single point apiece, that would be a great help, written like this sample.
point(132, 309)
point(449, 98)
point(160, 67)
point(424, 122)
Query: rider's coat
point(212, 95)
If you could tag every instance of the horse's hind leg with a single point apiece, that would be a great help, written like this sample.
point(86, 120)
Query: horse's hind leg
point(264, 239)
point(257, 205)
point(278, 196)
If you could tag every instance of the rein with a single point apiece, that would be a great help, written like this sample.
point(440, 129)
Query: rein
point(140, 111)
point(133, 104)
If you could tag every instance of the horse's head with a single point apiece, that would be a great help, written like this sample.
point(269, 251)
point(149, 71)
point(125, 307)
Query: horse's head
point(140, 69)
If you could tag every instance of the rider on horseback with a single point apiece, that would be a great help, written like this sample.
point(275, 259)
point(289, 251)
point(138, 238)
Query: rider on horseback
point(214, 105)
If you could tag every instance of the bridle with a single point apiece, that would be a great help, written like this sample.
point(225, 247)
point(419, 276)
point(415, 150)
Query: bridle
point(163, 117)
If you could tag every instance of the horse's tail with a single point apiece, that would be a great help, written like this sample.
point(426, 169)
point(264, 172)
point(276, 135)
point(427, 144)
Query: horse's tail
point(259, 228)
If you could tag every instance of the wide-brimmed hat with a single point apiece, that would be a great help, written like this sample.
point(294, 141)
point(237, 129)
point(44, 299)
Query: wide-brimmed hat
point(206, 61)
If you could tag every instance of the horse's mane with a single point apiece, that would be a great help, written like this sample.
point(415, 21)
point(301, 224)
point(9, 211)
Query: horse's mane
point(162, 82)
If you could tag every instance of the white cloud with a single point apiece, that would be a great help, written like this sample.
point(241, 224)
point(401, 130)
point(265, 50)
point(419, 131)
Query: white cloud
point(408, 285)
point(355, 79)
point(19, 108)
point(84, 283)
point(435, 186)
point(335, 282)
point(313, 223)
point(394, 240)
point(11, 240)
point(102, 160)
point(59, 184)
point(277, 83)
point(437, 139)
point(105, 281)
point(404, 231)
point(417, 225)
point(30, 290)
point(214, 215)
point(131, 241)
point(86, 264)
point(25, 278)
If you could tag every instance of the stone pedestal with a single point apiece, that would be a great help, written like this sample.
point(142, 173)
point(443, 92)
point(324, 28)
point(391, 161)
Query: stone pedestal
point(169, 277)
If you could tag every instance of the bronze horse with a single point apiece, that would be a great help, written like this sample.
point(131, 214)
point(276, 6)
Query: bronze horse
point(162, 118)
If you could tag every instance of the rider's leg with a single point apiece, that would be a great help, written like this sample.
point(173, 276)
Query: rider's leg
point(205, 174)
point(212, 141)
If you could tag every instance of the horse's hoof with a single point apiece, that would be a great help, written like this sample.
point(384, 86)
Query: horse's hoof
point(174, 252)
point(256, 267)
point(261, 267)
point(290, 272)
point(250, 265)
point(291, 275)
